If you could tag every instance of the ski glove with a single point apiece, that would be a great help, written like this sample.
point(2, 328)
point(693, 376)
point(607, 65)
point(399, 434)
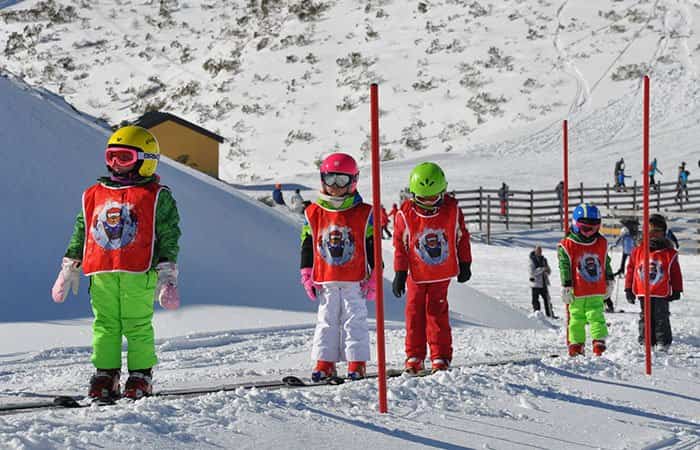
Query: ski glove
point(567, 294)
point(166, 289)
point(675, 295)
point(398, 286)
point(629, 295)
point(308, 283)
point(369, 287)
point(68, 279)
point(465, 272)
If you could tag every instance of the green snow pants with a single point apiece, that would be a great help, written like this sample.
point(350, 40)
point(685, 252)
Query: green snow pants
point(587, 310)
point(123, 306)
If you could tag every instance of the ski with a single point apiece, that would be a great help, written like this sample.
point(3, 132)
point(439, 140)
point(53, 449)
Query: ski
point(80, 401)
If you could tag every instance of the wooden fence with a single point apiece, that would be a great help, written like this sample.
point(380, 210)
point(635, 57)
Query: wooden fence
point(543, 208)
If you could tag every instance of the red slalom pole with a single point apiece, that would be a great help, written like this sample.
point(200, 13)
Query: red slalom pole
point(378, 266)
point(565, 197)
point(645, 236)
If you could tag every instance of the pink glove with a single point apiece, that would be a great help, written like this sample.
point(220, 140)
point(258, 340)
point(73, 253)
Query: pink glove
point(369, 287)
point(166, 289)
point(308, 283)
point(68, 279)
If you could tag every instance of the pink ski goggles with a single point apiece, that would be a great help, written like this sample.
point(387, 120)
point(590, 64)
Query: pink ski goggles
point(121, 156)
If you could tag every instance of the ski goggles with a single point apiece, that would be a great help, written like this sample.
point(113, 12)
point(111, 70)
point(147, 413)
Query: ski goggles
point(587, 229)
point(122, 156)
point(340, 180)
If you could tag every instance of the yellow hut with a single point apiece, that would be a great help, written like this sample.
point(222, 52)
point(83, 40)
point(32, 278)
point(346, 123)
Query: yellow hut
point(184, 141)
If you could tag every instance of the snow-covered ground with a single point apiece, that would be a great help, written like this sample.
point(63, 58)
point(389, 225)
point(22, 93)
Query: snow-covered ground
point(224, 337)
point(479, 87)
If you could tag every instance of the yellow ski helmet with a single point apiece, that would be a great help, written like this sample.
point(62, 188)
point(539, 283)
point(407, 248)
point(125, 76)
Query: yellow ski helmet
point(141, 140)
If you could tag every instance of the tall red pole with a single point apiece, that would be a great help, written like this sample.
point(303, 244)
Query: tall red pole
point(565, 198)
point(566, 177)
point(378, 266)
point(645, 236)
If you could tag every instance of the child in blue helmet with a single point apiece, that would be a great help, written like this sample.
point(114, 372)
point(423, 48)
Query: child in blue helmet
point(586, 279)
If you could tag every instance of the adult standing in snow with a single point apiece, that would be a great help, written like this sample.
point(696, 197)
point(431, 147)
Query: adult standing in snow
point(336, 247)
point(627, 236)
point(296, 202)
point(431, 246)
point(126, 240)
point(392, 213)
point(277, 195)
point(666, 282)
point(539, 280)
point(586, 279)
point(682, 184)
point(503, 194)
point(653, 169)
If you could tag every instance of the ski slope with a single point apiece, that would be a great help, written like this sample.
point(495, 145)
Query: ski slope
point(225, 336)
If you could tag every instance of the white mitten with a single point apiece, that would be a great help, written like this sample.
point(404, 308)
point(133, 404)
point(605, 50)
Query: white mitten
point(166, 289)
point(567, 294)
point(68, 279)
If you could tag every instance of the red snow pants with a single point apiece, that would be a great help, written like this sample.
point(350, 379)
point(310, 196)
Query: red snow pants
point(427, 319)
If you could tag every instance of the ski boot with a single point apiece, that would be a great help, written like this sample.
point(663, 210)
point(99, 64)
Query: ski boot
point(662, 348)
point(104, 385)
point(598, 346)
point(414, 366)
point(323, 370)
point(576, 349)
point(357, 370)
point(438, 365)
point(138, 385)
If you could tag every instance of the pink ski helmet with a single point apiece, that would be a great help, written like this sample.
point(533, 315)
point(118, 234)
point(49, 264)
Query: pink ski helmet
point(340, 163)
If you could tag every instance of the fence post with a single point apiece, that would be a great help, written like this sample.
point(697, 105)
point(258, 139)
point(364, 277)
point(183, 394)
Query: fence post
point(488, 220)
point(658, 196)
point(581, 187)
point(634, 196)
point(532, 209)
point(507, 205)
point(481, 195)
point(607, 195)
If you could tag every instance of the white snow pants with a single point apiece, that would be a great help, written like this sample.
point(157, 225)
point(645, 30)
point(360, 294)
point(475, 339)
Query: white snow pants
point(341, 328)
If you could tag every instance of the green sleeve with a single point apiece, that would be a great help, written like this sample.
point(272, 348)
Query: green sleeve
point(609, 274)
point(564, 267)
point(167, 228)
point(77, 240)
point(370, 231)
point(305, 232)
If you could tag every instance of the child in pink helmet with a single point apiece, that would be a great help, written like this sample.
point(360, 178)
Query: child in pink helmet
point(336, 265)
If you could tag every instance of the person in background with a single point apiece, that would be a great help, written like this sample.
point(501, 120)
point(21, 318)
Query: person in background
point(503, 194)
point(682, 184)
point(296, 202)
point(392, 213)
point(559, 190)
point(653, 170)
point(385, 223)
point(277, 195)
point(539, 280)
point(666, 283)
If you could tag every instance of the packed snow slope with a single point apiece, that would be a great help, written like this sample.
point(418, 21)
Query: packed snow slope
point(286, 81)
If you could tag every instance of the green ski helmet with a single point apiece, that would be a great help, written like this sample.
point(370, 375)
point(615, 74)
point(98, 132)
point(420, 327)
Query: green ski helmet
point(427, 180)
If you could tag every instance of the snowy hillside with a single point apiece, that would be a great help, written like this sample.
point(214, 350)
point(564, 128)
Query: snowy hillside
point(286, 81)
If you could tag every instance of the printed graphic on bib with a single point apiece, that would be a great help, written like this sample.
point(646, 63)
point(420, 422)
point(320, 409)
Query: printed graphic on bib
point(114, 226)
point(656, 272)
point(432, 247)
point(590, 268)
point(337, 245)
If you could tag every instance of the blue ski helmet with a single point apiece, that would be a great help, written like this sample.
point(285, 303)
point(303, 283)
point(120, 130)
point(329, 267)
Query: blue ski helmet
point(586, 219)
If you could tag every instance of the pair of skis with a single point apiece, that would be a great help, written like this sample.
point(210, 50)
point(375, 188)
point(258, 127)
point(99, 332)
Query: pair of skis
point(78, 401)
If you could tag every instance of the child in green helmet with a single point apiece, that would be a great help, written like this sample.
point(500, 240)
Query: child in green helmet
point(431, 246)
point(126, 239)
